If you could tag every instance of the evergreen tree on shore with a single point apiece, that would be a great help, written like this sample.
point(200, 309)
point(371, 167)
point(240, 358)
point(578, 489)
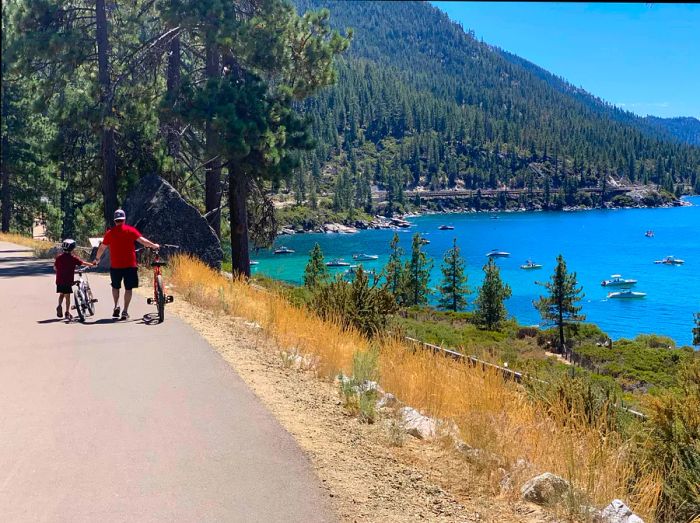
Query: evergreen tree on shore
point(696, 329)
point(417, 274)
point(560, 307)
point(316, 271)
point(394, 270)
point(453, 289)
point(490, 310)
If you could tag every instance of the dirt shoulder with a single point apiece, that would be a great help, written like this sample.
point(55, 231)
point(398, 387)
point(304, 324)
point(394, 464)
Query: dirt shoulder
point(367, 476)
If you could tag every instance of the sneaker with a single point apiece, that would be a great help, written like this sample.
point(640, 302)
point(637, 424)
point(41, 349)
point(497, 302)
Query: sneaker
point(115, 313)
point(68, 316)
point(125, 315)
point(59, 311)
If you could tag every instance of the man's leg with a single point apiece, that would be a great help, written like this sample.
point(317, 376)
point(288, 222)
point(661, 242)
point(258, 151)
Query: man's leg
point(115, 296)
point(127, 299)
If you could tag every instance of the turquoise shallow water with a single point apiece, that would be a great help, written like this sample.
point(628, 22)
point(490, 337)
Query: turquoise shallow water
point(595, 244)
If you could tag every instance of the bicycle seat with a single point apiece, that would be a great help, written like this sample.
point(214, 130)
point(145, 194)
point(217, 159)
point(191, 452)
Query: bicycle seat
point(158, 264)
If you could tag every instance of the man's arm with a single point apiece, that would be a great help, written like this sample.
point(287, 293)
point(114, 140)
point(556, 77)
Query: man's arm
point(100, 251)
point(147, 243)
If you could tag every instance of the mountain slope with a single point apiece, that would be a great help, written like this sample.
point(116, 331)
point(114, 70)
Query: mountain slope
point(684, 129)
point(421, 103)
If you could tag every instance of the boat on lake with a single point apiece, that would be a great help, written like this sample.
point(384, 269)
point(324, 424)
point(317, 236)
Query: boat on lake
point(670, 260)
point(649, 234)
point(424, 241)
point(529, 265)
point(365, 257)
point(338, 262)
point(495, 253)
point(398, 222)
point(253, 262)
point(283, 250)
point(627, 294)
point(446, 228)
point(616, 280)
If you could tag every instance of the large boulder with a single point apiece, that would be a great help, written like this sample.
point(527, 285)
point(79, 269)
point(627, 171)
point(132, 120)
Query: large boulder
point(417, 425)
point(158, 211)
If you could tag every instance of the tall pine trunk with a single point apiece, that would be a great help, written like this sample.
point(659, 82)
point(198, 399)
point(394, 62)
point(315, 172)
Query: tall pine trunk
point(237, 197)
point(172, 126)
point(212, 190)
point(108, 146)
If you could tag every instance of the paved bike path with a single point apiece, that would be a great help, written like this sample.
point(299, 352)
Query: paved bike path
point(126, 421)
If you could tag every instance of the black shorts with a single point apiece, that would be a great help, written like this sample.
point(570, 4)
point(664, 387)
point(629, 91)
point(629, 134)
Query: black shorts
point(64, 289)
point(130, 276)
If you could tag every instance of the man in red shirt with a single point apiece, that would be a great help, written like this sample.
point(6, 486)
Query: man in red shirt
point(122, 250)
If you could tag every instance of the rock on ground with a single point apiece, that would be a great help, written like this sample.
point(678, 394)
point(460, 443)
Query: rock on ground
point(416, 424)
point(545, 489)
point(158, 211)
point(618, 512)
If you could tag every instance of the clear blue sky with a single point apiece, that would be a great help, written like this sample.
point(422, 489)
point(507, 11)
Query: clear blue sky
point(645, 58)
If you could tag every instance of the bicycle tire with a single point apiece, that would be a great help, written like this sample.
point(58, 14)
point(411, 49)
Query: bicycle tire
point(88, 300)
point(78, 299)
point(160, 298)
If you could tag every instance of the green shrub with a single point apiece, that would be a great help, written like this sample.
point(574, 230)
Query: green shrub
point(360, 390)
point(360, 304)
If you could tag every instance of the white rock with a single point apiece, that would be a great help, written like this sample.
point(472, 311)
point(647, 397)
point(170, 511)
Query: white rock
point(618, 512)
point(415, 424)
point(388, 401)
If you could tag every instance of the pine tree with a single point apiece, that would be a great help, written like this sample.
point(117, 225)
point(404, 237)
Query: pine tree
point(316, 271)
point(696, 329)
point(394, 270)
point(490, 310)
point(560, 307)
point(417, 274)
point(453, 289)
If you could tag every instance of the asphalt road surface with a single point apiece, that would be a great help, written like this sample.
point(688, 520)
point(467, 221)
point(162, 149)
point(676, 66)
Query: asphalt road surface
point(130, 421)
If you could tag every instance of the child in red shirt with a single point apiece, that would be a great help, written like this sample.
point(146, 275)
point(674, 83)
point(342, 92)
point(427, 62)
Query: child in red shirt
point(65, 265)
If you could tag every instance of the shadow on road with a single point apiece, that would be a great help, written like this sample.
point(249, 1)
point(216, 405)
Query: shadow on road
point(52, 320)
point(15, 250)
point(25, 267)
point(150, 319)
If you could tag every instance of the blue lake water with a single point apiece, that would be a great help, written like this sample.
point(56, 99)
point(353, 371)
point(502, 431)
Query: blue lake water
point(595, 244)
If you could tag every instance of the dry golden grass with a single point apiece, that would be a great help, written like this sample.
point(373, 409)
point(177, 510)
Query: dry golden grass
point(491, 414)
point(41, 248)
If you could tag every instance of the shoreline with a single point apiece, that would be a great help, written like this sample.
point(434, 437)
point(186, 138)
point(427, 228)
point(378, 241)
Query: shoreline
point(384, 222)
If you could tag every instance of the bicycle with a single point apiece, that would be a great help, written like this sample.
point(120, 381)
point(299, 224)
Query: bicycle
point(159, 296)
point(84, 301)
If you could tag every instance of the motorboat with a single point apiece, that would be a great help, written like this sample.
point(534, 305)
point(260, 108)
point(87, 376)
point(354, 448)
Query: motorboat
point(616, 280)
point(627, 294)
point(424, 241)
point(365, 257)
point(529, 265)
point(338, 262)
point(495, 253)
point(253, 262)
point(649, 234)
point(446, 228)
point(670, 260)
point(283, 250)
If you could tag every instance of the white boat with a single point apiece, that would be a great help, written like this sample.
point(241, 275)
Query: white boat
point(616, 280)
point(424, 241)
point(495, 253)
point(670, 260)
point(446, 228)
point(283, 250)
point(338, 262)
point(365, 257)
point(627, 294)
point(529, 265)
point(253, 262)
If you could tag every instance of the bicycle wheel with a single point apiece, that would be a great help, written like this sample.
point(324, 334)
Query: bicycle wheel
point(160, 296)
point(78, 299)
point(89, 300)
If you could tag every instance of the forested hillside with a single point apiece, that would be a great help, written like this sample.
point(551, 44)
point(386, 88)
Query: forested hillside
point(684, 129)
point(421, 102)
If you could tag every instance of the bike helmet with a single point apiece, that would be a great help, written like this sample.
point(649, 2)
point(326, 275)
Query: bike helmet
point(68, 245)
